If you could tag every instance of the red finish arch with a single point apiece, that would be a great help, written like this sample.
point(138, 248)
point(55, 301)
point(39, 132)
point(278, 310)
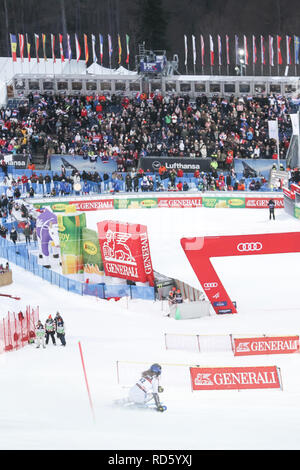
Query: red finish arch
point(199, 250)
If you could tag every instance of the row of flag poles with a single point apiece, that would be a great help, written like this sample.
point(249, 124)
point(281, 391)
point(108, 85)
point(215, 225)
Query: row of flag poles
point(264, 51)
point(65, 49)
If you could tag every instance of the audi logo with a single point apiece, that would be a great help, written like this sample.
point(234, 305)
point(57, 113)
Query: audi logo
point(209, 285)
point(253, 246)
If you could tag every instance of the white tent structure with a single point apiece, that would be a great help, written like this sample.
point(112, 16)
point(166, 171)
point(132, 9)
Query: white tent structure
point(8, 69)
point(96, 69)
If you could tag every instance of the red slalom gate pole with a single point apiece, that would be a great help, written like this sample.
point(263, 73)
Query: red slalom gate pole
point(86, 381)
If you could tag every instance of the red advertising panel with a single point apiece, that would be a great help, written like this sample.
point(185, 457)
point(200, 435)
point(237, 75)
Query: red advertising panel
point(262, 202)
point(90, 205)
point(199, 250)
point(230, 378)
point(185, 202)
point(265, 345)
point(125, 251)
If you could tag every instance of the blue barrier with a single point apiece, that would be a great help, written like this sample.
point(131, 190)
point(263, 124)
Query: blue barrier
point(20, 255)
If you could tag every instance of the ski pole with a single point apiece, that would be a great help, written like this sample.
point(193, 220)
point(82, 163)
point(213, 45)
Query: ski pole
point(86, 381)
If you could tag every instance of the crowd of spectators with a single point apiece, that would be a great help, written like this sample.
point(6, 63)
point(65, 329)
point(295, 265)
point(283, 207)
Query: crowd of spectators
point(124, 128)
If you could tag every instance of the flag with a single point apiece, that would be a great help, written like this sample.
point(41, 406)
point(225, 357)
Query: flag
point(211, 48)
point(227, 50)
point(101, 48)
point(13, 44)
point(44, 46)
point(78, 48)
point(69, 48)
point(202, 49)
point(94, 48)
point(37, 43)
point(220, 49)
point(254, 50)
point(21, 46)
point(53, 47)
point(246, 50)
point(288, 50)
point(271, 51)
point(86, 48)
point(62, 55)
point(28, 48)
point(185, 50)
point(296, 47)
point(237, 58)
point(194, 49)
point(262, 50)
point(279, 56)
point(127, 49)
point(120, 48)
point(110, 49)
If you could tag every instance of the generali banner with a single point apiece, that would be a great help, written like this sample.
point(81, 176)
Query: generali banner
point(265, 345)
point(125, 251)
point(262, 202)
point(173, 202)
point(229, 378)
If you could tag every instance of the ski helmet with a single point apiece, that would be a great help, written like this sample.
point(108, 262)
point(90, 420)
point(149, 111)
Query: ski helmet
point(156, 368)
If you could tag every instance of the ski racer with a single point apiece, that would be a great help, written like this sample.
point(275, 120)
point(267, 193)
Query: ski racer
point(50, 329)
point(147, 388)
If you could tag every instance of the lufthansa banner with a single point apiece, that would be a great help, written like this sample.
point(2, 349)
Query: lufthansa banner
point(187, 165)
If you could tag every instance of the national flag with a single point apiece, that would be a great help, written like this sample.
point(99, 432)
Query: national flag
point(13, 44)
point(202, 49)
point(271, 51)
point(254, 49)
point(86, 48)
point(94, 48)
point(220, 49)
point(69, 48)
point(227, 50)
point(246, 50)
point(78, 48)
point(237, 57)
point(211, 49)
point(185, 50)
point(262, 50)
point(61, 48)
point(288, 50)
point(120, 48)
point(44, 46)
point(37, 44)
point(110, 49)
point(28, 48)
point(279, 56)
point(53, 47)
point(21, 46)
point(127, 49)
point(101, 47)
point(296, 49)
point(194, 49)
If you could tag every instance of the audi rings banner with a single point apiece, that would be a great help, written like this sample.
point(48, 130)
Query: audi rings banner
point(199, 250)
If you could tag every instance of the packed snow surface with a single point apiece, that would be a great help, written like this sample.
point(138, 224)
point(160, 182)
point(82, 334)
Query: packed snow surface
point(44, 400)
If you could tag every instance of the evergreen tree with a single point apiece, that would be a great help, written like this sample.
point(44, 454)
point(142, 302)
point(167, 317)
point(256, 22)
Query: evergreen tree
point(153, 23)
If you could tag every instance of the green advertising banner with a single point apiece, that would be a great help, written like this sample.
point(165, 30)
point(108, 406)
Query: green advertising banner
point(223, 202)
point(297, 212)
point(54, 206)
point(92, 259)
point(70, 234)
point(136, 203)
